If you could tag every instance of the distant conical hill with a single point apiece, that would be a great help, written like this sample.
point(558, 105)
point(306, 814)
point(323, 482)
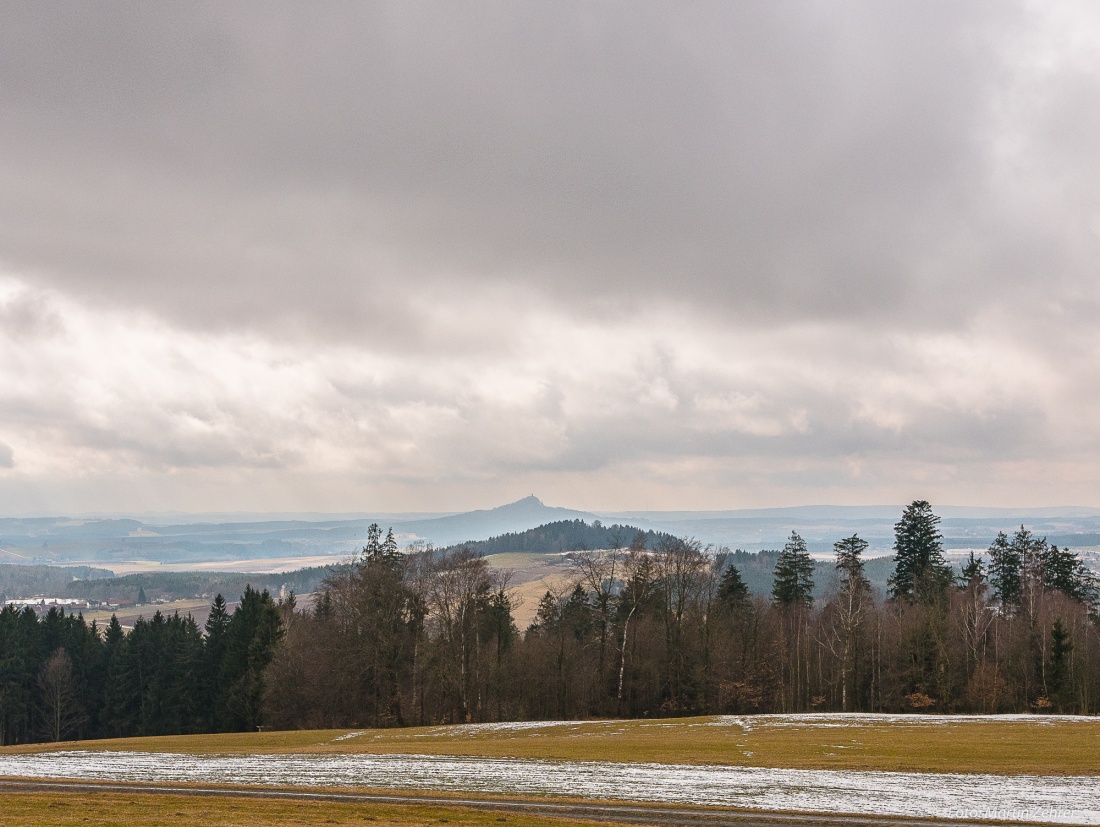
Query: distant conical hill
point(521, 515)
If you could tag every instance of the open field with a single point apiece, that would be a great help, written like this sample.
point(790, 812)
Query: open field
point(531, 576)
point(1009, 768)
point(34, 803)
point(260, 565)
point(198, 608)
point(62, 809)
point(1006, 745)
point(1029, 798)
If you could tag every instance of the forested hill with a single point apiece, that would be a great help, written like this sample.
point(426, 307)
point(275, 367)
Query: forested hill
point(757, 568)
point(563, 535)
point(25, 581)
point(175, 585)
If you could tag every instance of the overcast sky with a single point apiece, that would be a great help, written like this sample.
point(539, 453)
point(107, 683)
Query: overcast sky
point(405, 256)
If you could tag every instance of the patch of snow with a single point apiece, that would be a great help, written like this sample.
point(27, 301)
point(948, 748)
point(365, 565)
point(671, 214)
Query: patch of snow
point(460, 730)
point(833, 720)
point(1066, 800)
point(348, 736)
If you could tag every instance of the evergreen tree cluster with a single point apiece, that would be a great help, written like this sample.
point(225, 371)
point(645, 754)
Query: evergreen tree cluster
point(19, 580)
point(1025, 563)
point(62, 678)
point(563, 535)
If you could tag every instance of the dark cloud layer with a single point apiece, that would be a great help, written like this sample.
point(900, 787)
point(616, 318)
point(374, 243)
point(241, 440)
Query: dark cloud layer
point(549, 242)
point(777, 160)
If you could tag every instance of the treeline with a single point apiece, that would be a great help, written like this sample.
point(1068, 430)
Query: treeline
point(673, 630)
point(184, 584)
point(17, 580)
point(653, 629)
point(561, 535)
point(61, 678)
point(757, 570)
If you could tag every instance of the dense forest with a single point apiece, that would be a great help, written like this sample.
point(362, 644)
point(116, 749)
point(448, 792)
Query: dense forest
point(172, 585)
point(85, 583)
point(61, 678)
point(21, 581)
point(658, 628)
point(562, 535)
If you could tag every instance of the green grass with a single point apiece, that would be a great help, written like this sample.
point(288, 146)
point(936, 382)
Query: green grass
point(1044, 746)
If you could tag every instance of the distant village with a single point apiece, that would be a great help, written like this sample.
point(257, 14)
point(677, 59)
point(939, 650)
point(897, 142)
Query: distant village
point(42, 605)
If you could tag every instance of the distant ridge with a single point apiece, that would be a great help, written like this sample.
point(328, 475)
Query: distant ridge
point(756, 529)
point(107, 543)
point(518, 516)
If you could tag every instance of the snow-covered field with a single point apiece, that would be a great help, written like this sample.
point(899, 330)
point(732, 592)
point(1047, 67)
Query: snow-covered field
point(1068, 800)
point(813, 720)
point(847, 720)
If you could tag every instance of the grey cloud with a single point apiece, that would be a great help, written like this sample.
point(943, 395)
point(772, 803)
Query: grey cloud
point(833, 434)
point(804, 234)
point(281, 418)
point(151, 437)
point(7, 456)
point(272, 166)
point(29, 316)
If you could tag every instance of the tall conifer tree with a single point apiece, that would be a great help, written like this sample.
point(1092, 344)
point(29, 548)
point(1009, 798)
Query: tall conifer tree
point(794, 574)
point(920, 570)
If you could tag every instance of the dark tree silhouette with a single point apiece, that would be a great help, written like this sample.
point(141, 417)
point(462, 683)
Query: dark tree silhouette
point(921, 573)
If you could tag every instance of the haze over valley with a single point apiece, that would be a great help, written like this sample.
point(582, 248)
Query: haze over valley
point(268, 542)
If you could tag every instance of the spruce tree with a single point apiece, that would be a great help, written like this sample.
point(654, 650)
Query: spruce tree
point(920, 571)
point(577, 615)
point(213, 687)
point(377, 549)
point(1064, 571)
point(848, 609)
point(1060, 647)
point(17, 633)
point(794, 574)
point(1028, 562)
point(849, 562)
point(547, 614)
point(1004, 570)
point(973, 572)
point(184, 709)
point(733, 593)
point(115, 717)
point(251, 635)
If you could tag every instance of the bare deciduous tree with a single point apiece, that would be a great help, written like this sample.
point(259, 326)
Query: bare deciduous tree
point(61, 712)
